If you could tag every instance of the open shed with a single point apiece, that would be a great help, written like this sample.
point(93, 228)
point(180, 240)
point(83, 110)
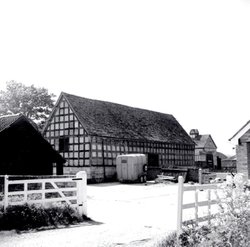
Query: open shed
point(24, 151)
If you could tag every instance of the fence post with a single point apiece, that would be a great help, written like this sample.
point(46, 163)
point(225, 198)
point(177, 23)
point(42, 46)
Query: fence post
point(6, 190)
point(81, 178)
point(43, 193)
point(179, 209)
point(209, 205)
point(196, 207)
point(25, 191)
point(200, 176)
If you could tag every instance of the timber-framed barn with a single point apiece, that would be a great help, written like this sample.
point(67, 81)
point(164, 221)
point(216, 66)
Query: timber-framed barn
point(90, 134)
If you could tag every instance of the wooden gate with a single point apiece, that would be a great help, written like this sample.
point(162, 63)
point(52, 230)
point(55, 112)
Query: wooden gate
point(47, 191)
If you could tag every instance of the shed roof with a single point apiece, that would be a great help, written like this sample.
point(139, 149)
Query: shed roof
point(221, 155)
point(106, 119)
point(240, 133)
point(232, 158)
point(201, 141)
point(7, 120)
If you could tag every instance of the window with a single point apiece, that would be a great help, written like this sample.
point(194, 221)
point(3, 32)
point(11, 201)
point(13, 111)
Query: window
point(63, 144)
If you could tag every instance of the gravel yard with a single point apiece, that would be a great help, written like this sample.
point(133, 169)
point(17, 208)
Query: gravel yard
point(123, 215)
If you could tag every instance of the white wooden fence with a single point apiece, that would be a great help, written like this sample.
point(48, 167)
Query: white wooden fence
point(47, 191)
point(207, 188)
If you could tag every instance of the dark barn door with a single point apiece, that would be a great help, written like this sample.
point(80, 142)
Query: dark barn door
point(210, 160)
point(153, 160)
point(59, 168)
point(218, 163)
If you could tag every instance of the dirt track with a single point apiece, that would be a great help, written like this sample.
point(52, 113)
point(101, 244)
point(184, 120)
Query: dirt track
point(124, 215)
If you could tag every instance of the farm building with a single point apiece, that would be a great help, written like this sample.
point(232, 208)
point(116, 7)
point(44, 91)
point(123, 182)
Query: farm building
point(24, 151)
point(90, 134)
point(241, 140)
point(206, 155)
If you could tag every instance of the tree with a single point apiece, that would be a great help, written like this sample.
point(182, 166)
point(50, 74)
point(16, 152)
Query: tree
point(35, 103)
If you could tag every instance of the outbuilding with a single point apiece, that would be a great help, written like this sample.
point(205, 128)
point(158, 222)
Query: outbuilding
point(24, 151)
point(206, 155)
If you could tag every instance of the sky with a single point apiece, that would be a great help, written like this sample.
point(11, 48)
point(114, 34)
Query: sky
point(189, 58)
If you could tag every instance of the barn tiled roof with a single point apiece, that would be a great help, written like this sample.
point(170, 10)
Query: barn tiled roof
point(107, 119)
point(7, 120)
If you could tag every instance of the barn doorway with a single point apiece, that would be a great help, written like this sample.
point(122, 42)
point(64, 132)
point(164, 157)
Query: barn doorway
point(153, 160)
point(210, 160)
point(218, 163)
point(59, 168)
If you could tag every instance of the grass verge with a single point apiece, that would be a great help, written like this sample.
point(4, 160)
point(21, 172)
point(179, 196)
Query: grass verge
point(26, 217)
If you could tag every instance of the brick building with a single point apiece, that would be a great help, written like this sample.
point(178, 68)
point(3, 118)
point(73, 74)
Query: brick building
point(90, 134)
point(241, 140)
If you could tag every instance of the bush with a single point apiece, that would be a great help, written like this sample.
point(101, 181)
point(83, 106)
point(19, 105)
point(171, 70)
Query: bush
point(24, 217)
point(231, 226)
point(169, 241)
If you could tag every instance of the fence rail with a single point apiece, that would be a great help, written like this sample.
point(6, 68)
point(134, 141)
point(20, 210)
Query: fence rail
point(70, 190)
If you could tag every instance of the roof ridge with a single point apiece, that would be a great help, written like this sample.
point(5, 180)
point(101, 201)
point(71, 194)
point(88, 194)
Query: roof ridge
point(11, 115)
point(12, 119)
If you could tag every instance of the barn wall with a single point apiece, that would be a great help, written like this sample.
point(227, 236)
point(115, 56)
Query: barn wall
point(170, 154)
point(67, 170)
point(68, 137)
point(105, 151)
